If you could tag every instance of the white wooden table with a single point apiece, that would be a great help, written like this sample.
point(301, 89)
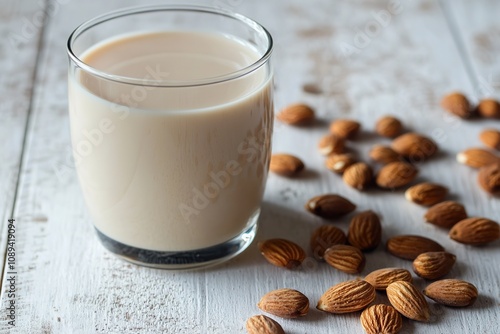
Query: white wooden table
point(67, 283)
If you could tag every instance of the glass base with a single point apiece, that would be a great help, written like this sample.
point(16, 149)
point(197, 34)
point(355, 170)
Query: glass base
point(183, 259)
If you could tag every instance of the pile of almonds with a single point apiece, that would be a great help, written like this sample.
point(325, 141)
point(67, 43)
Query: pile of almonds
point(345, 251)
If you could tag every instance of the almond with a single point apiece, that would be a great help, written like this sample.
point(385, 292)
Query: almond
point(489, 108)
point(285, 164)
point(338, 163)
point(365, 231)
point(414, 147)
point(381, 278)
point(410, 302)
point(331, 144)
point(389, 126)
point(475, 231)
point(345, 128)
point(446, 214)
point(490, 138)
point(396, 174)
point(426, 193)
point(324, 237)
point(433, 265)
point(345, 258)
point(260, 324)
point(296, 114)
point(410, 246)
point(345, 297)
point(452, 292)
point(477, 157)
point(285, 303)
point(457, 104)
point(330, 206)
point(384, 154)
point(489, 178)
point(381, 319)
point(358, 175)
point(282, 253)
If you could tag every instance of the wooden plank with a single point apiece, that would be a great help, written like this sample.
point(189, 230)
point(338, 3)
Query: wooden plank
point(68, 283)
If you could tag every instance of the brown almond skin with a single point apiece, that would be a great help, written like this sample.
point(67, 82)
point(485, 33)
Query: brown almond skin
point(381, 319)
point(384, 154)
point(396, 174)
point(345, 258)
point(410, 302)
point(381, 278)
point(365, 231)
point(446, 214)
point(286, 165)
point(345, 128)
point(477, 157)
point(296, 114)
point(414, 147)
point(433, 265)
point(489, 178)
point(331, 144)
point(338, 163)
point(261, 324)
point(330, 206)
point(457, 104)
point(452, 292)
point(285, 303)
point(359, 175)
point(426, 193)
point(475, 231)
point(324, 237)
point(346, 297)
point(408, 247)
point(282, 253)
point(490, 138)
point(389, 126)
point(489, 108)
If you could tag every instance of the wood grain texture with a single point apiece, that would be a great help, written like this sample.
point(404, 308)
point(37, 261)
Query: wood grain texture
point(69, 284)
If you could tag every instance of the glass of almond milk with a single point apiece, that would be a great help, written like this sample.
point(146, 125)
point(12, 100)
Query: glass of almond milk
point(171, 115)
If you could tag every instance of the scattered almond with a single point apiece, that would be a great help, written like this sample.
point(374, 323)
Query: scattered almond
point(446, 214)
point(345, 128)
point(282, 253)
point(433, 265)
point(410, 302)
point(286, 164)
point(410, 246)
point(346, 297)
point(358, 175)
point(381, 319)
point(338, 163)
point(477, 157)
point(381, 278)
point(345, 258)
point(489, 108)
point(414, 146)
point(296, 114)
point(365, 231)
point(456, 103)
point(490, 138)
point(389, 126)
point(285, 303)
point(452, 292)
point(331, 144)
point(396, 174)
point(426, 193)
point(330, 206)
point(489, 178)
point(260, 324)
point(384, 154)
point(475, 231)
point(324, 237)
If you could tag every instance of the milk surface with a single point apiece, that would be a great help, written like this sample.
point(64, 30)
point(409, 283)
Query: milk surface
point(171, 168)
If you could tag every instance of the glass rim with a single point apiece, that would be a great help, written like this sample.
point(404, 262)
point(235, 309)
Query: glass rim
point(171, 8)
